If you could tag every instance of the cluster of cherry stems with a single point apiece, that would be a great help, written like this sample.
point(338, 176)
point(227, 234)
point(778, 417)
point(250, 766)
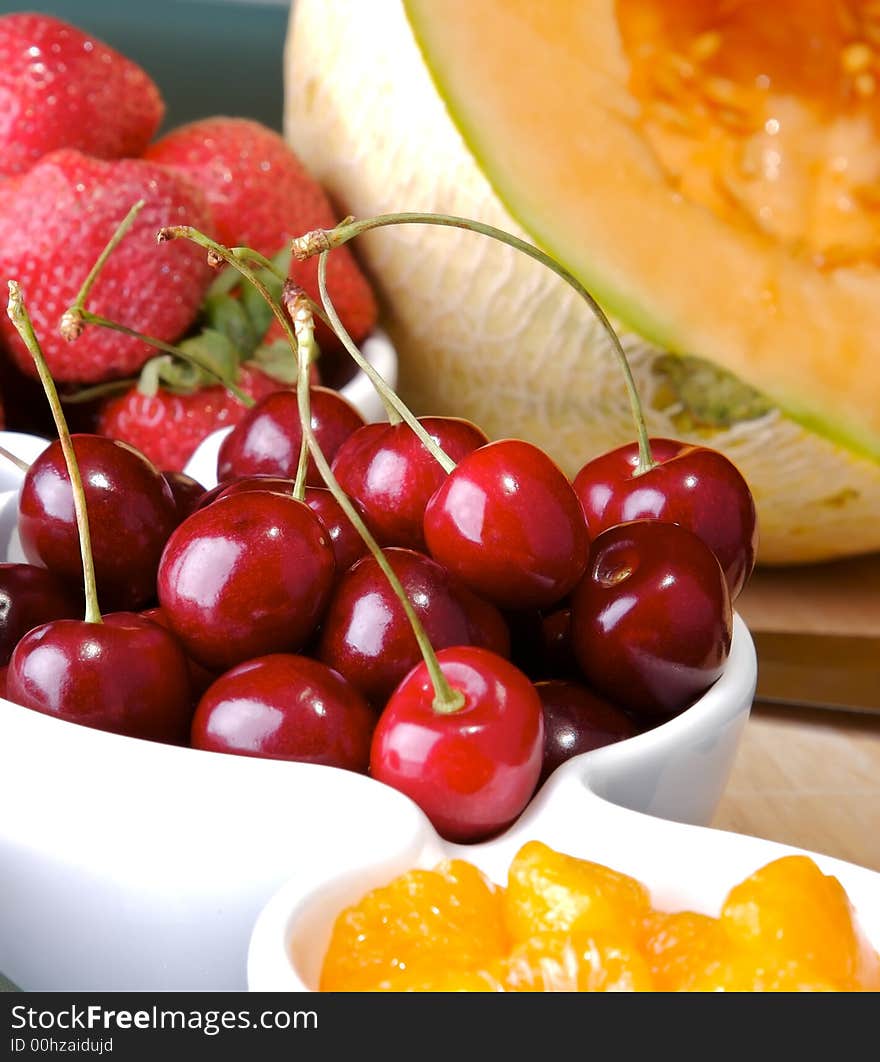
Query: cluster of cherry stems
point(404, 598)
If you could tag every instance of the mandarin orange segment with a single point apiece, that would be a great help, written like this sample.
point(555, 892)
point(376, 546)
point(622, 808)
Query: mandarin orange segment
point(742, 970)
point(549, 892)
point(789, 907)
point(681, 945)
point(447, 919)
point(604, 961)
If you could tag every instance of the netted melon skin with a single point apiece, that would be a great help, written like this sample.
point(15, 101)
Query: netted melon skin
point(486, 333)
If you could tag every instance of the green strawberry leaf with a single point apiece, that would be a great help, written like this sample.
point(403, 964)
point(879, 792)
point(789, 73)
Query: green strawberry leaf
point(226, 314)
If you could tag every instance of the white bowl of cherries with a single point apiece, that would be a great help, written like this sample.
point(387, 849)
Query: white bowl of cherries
point(326, 640)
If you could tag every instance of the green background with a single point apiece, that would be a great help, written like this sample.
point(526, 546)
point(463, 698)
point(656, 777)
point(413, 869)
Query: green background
point(206, 57)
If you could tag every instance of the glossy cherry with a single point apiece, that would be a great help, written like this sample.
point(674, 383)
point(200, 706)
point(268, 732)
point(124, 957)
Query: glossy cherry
point(694, 486)
point(507, 522)
point(651, 619)
point(29, 596)
point(200, 678)
point(541, 642)
point(391, 475)
point(347, 544)
point(471, 771)
point(367, 637)
point(131, 514)
point(267, 440)
point(125, 674)
point(187, 492)
point(246, 576)
point(576, 720)
point(286, 707)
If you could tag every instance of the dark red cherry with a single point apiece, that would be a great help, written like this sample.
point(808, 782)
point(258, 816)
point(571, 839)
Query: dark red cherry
point(266, 441)
point(507, 522)
point(367, 637)
point(245, 484)
point(391, 475)
point(286, 707)
point(126, 675)
point(131, 514)
point(248, 575)
point(541, 642)
point(694, 486)
point(471, 771)
point(187, 491)
point(200, 678)
point(347, 544)
point(29, 596)
point(576, 721)
point(651, 620)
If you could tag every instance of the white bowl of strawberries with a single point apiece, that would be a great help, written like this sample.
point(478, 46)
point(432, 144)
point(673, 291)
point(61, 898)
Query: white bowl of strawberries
point(247, 623)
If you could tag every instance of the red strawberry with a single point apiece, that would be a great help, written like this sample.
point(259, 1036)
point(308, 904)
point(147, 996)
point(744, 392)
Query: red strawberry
point(62, 87)
point(54, 222)
point(167, 427)
point(262, 196)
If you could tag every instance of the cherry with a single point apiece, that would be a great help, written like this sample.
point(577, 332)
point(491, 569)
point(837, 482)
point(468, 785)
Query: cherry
point(267, 440)
point(691, 485)
point(367, 637)
point(541, 642)
point(577, 721)
point(246, 576)
point(131, 513)
point(507, 522)
point(29, 596)
point(200, 678)
point(347, 544)
point(388, 471)
point(472, 770)
point(286, 707)
point(187, 492)
point(651, 619)
point(124, 674)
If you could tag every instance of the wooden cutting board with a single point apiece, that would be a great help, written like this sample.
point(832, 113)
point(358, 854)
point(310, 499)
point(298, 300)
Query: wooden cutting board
point(811, 778)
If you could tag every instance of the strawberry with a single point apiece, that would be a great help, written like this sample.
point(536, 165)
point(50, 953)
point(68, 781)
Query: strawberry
point(262, 196)
point(62, 87)
point(54, 222)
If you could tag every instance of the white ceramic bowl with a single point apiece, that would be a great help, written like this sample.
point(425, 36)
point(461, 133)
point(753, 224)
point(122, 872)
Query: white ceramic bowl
point(130, 865)
point(686, 867)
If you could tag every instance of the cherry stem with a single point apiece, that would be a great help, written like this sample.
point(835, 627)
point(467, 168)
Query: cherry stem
point(80, 301)
point(19, 316)
point(14, 459)
point(446, 698)
point(385, 392)
point(238, 258)
point(87, 317)
point(322, 240)
point(391, 400)
point(290, 294)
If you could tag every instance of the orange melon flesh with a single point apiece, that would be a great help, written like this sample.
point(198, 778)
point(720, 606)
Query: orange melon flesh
point(754, 276)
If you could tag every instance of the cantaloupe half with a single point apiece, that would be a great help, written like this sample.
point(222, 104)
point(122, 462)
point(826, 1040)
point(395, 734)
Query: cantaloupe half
point(709, 169)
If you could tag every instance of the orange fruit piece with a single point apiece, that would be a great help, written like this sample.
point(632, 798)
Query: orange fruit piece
point(422, 927)
point(549, 892)
point(791, 910)
point(681, 945)
point(604, 961)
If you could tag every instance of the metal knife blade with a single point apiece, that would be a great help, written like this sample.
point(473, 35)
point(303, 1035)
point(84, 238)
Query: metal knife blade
point(834, 671)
